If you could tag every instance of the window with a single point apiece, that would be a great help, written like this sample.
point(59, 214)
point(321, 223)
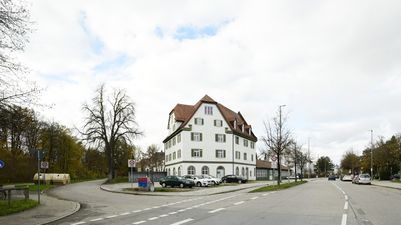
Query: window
point(174, 155)
point(237, 171)
point(179, 171)
point(191, 170)
point(251, 157)
point(169, 157)
point(237, 140)
point(245, 156)
point(197, 153)
point(165, 146)
point(252, 144)
point(220, 153)
point(237, 155)
point(218, 123)
point(250, 173)
point(220, 138)
point(178, 138)
point(166, 158)
point(245, 143)
point(199, 121)
point(169, 172)
point(173, 141)
point(174, 172)
point(205, 170)
point(208, 110)
point(196, 136)
point(243, 172)
point(179, 153)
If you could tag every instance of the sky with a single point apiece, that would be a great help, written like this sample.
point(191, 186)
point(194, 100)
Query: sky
point(334, 64)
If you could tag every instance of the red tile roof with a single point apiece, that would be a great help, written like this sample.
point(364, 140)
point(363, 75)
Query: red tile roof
point(183, 113)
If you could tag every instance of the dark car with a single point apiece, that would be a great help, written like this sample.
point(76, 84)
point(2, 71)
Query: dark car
point(233, 179)
point(332, 177)
point(175, 181)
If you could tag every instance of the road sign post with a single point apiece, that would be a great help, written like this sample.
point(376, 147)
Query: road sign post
point(44, 165)
point(131, 164)
point(38, 155)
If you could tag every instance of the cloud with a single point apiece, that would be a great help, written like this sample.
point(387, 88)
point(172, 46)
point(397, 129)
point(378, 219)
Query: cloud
point(335, 64)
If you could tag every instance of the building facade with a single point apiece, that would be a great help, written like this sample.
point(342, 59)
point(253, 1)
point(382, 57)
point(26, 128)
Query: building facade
point(209, 138)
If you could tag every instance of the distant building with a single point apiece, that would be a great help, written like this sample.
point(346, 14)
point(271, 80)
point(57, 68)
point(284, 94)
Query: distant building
point(266, 170)
point(209, 138)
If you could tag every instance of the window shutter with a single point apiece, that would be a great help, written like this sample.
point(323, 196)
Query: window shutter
point(224, 138)
point(224, 153)
point(216, 137)
point(214, 122)
point(202, 121)
point(200, 136)
point(192, 136)
point(216, 153)
point(200, 151)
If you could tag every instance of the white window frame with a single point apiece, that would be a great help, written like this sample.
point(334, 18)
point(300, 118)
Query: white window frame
point(191, 170)
point(218, 123)
point(196, 136)
point(198, 121)
point(196, 153)
point(220, 138)
point(245, 156)
point(205, 170)
point(179, 154)
point(208, 110)
point(220, 153)
point(245, 142)
point(237, 155)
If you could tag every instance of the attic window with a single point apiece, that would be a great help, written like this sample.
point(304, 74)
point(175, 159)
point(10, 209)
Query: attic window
point(208, 110)
point(250, 131)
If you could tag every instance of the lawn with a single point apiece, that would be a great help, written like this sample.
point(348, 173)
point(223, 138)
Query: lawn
point(161, 189)
point(278, 187)
point(42, 187)
point(16, 206)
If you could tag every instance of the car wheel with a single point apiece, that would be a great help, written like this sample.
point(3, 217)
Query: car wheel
point(199, 184)
point(214, 183)
point(181, 185)
point(239, 181)
point(164, 185)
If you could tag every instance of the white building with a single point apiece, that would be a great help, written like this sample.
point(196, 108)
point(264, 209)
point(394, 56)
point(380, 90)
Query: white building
point(209, 138)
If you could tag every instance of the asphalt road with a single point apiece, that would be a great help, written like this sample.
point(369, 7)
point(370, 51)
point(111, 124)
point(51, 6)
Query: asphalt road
point(318, 202)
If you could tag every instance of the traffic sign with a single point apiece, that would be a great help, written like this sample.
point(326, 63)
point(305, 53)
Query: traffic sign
point(44, 165)
point(131, 163)
point(2, 164)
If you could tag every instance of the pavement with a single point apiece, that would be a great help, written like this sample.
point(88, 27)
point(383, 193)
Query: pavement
point(51, 209)
point(54, 207)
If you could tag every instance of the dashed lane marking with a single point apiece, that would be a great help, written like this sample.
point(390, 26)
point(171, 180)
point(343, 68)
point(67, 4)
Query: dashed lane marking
point(98, 219)
point(164, 215)
point(112, 216)
point(172, 213)
point(239, 203)
point(344, 220)
point(346, 197)
point(266, 194)
point(78, 223)
point(124, 214)
point(254, 198)
point(153, 218)
point(346, 205)
point(182, 221)
point(216, 210)
point(147, 209)
point(136, 211)
point(139, 222)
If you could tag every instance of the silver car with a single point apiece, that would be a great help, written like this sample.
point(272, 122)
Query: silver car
point(363, 179)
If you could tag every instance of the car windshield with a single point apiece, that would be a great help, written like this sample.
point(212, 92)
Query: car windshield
point(364, 176)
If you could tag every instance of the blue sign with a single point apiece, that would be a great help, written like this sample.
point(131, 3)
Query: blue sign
point(2, 164)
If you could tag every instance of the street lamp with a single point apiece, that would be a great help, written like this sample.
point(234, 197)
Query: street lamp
point(371, 154)
point(280, 142)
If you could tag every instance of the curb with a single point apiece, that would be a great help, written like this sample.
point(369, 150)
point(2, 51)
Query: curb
point(175, 195)
point(76, 209)
point(378, 185)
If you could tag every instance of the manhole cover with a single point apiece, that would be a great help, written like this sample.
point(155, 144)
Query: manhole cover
point(42, 216)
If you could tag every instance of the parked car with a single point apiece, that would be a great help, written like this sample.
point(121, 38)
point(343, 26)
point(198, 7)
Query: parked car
point(363, 179)
point(395, 177)
point(355, 179)
point(199, 181)
point(332, 177)
point(233, 179)
point(347, 178)
point(175, 181)
point(215, 180)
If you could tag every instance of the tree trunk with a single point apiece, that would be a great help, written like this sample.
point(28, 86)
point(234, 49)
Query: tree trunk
point(278, 170)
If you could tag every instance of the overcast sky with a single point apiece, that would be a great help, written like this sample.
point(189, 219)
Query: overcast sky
point(335, 64)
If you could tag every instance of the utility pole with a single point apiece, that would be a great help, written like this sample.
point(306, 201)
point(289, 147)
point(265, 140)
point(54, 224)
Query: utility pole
point(309, 169)
point(279, 146)
point(371, 154)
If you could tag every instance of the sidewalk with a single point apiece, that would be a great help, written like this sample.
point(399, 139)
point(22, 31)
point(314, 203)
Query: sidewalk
point(196, 191)
point(50, 209)
point(388, 184)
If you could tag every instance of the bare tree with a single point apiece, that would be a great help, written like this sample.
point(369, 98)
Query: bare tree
point(14, 29)
point(105, 126)
point(277, 138)
point(294, 155)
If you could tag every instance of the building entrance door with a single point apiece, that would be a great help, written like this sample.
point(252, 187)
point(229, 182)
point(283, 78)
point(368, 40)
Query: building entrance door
point(220, 172)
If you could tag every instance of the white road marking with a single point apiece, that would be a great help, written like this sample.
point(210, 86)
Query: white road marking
point(124, 214)
point(254, 198)
point(139, 222)
point(112, 216)
point(155, 207)
point(136, 211)
point(266, 194)
point(216, 210)
point(153, 218)
point(78, 223)
point(96, 219)
point(181, 210)
point(239, 203)
point(344, 220)
point(164, 215)
point(346, 205)
point(346, 197)
point(182, 221)
point(165, 205)
point(147, 209)
point(172, 213)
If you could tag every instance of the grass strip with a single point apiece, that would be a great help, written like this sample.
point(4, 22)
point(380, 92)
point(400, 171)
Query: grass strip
point(42, 187)
point(278, 187)
point(160, 189)
point(16, 206)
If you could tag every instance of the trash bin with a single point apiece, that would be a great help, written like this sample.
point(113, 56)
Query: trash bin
point(45, 178)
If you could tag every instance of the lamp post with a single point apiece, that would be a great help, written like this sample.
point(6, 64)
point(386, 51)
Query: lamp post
point(280, 145)
point(371, 154)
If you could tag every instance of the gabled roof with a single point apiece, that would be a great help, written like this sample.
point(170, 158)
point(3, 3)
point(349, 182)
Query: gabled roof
point(183, 113)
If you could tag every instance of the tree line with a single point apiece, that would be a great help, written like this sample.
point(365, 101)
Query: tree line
point(384, 156)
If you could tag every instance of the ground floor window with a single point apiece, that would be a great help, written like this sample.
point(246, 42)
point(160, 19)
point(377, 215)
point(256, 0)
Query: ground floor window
point(237, 171)
point(205, 170)
point(191, 170)
point(220, 172)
